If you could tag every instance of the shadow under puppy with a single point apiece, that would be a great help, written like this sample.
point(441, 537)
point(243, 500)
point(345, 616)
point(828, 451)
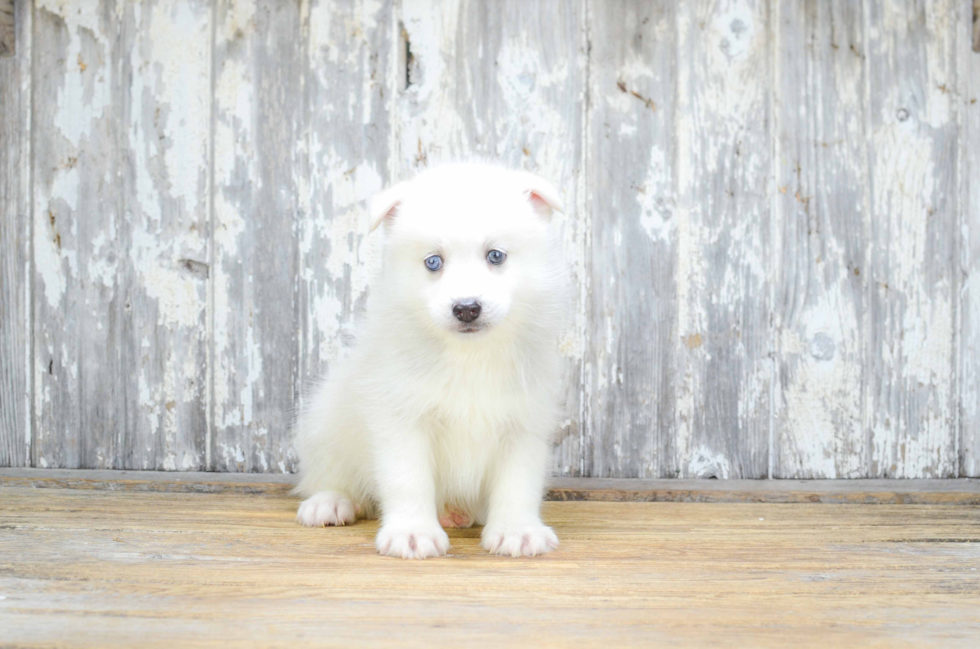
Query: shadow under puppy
point(444, 413)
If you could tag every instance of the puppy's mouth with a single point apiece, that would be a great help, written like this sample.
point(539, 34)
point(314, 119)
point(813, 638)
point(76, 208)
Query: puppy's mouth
point(470, 329)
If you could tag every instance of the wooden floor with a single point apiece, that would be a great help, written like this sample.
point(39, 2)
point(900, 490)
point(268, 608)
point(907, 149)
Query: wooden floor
point(107, 568)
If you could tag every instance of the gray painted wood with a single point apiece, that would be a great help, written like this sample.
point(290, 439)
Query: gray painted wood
point(166, 197)
point(15, 248)
point(723, 369)
point(768, 206)
point(60, 438)
point(913, 153)
point(507, 80)
point(969, 270)
point(120, 234)
point(632, 327)
point(347, 129)
point(822, 222)
point(258, 165)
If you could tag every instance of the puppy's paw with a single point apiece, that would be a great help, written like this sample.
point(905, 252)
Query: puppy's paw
point(412, 542)
point(326, 508)
point(520, 541)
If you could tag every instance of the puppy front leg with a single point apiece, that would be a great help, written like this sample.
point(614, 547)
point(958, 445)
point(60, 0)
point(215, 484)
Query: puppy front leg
point(406, 489)
point(514, 526)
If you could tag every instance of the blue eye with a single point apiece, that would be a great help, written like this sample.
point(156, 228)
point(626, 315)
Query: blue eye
point(496, 257)
point(433, 262)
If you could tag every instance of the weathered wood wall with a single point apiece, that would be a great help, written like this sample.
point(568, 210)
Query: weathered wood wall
point(774, 221)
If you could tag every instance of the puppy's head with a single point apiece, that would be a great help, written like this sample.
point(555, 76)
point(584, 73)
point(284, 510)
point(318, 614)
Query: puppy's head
point(467, 249)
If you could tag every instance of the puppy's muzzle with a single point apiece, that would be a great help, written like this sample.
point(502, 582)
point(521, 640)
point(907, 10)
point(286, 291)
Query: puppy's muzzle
point(467, 310)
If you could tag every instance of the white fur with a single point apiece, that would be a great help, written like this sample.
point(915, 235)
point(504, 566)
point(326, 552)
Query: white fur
point(427, 423)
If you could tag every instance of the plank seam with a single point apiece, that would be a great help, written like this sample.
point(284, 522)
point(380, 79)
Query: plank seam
point(958, 244)
point(675, 182)
point(209, 373)
point(25, 18)
point(869, 245)
point(585, 221)
point(965, 236)
point(773, 44)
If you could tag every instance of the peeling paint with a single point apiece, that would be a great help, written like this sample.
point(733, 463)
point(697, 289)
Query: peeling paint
point(753, 301)
point(705, 463)
point(85, 93)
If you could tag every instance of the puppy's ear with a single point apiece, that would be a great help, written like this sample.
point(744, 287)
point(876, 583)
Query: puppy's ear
point(541, 194)
point(385, 205)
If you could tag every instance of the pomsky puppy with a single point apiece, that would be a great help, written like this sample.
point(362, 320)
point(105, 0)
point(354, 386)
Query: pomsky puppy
point(444, 413)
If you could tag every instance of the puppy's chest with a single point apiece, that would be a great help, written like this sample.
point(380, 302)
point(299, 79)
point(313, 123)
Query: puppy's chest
point(481, 397)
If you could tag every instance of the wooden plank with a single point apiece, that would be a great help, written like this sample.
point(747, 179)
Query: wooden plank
point(166, 202)
point(350, 86)
point(15, 247)
point(632, 329)
point(100, 568)
point(80, 131)
point(507, 80)
point(821, 252)
point(969, 270)
point(909, 393)
point(723, 370)
point(258, 120)
point(921, 492)
point(121, 236)
point(697, 280)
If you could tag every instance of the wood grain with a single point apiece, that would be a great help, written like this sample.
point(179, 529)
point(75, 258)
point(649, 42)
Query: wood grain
point(61, 321)
point(723, 371)
point(120, 225)
point(258, 162)
point(15, 245)
point(822, 220)
point(632, 327)
point(969, 260)
point(106, 569)
point(350, 85)
point(913, 155)
point(164, 103)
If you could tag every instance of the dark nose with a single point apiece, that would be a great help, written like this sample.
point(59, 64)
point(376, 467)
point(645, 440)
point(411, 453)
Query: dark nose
point(466, 310)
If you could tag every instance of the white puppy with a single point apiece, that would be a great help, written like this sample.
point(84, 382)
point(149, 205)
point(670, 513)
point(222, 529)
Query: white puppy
point(444, 413)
